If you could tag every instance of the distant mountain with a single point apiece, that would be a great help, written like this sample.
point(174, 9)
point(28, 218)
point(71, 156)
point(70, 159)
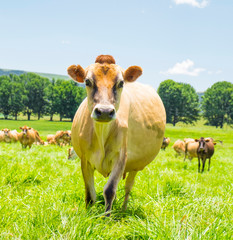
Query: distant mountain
point(19, 72)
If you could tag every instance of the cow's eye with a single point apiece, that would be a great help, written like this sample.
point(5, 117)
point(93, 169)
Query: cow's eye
point(121, 84)
point(88, 82)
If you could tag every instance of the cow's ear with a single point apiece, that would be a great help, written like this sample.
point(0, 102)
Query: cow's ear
point(29, 128)
point(207, 140)
point(196, 140)
point(20, 128)
point(132, 73)
point(214, 143)
point(77, 73)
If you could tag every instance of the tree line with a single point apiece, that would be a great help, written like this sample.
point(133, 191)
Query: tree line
point(182, 103)
point(32, 94)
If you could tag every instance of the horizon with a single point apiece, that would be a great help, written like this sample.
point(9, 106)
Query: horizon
point(187, 41)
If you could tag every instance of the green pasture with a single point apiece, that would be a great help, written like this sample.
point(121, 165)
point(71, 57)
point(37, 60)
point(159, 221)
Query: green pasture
point(42, 193)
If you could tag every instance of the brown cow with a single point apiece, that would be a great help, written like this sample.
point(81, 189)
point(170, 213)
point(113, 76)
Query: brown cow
point(28, 136)
point(179, 147)
point(190, 148)
point(63, 138)
point(118, 128)
point(51, 139)
point(205, 150)
point(166, 141)
point(10, 135)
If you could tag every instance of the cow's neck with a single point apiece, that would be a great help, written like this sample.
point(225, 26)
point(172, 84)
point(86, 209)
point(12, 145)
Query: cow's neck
point(102, 132)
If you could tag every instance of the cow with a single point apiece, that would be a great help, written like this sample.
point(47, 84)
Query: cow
point(165, 143)
point(179, 147)
point(28, 136)
point(10, 135)
point(118, 128)
point(205, 150)
point(51, 139)
point(190, 148)
point(63, 138)
point(71, 154)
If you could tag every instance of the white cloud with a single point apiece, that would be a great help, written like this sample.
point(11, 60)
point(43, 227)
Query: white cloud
point(184, 68)
point(193, 3)
point(219, 71)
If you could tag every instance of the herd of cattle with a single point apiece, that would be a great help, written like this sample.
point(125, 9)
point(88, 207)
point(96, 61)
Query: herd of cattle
point(202, 149)
point(29, 136)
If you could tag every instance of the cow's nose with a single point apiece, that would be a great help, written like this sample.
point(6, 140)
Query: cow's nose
point(104, 113)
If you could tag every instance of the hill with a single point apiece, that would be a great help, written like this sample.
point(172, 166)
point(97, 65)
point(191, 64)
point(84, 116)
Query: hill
point(19, 72)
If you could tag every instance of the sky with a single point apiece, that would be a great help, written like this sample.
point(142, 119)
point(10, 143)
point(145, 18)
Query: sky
point(189, 41)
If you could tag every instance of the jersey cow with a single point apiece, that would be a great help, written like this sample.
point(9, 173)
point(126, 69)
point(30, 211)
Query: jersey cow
point(28, 136)
point(118, 128)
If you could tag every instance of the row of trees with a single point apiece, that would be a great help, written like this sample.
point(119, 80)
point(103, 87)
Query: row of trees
point(33, 94)
point(182, 103)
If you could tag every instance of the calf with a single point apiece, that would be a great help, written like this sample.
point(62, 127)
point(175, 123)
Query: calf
point(205, 150)
point(166, 141)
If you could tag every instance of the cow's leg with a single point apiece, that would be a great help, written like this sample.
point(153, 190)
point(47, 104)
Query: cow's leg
point(128, 186)
point(111, 187)
point(203, 163)
point(199, 164)
point(185, 156)
point(115, 176)
point(209, 165)
point(88, 176)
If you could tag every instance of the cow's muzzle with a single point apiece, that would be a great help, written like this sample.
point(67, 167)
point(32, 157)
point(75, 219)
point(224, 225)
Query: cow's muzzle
point(103, 113)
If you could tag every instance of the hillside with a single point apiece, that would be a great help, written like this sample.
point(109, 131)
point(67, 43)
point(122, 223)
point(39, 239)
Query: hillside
point(19, 72)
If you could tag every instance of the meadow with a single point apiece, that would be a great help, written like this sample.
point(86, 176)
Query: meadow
point(42, 192)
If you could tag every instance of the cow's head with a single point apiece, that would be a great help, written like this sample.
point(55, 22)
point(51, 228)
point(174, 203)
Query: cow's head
point(6, 131)
point(202, 142)
point(25, 129)
point(104, 82)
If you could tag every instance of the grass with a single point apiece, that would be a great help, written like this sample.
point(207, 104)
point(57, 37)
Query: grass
point(42, 193)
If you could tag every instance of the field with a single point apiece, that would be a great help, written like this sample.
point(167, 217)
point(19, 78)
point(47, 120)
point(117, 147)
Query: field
point(42, 193)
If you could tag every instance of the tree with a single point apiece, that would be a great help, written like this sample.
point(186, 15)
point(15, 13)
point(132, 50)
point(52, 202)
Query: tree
point(52, 97)
point(69, 98)
point(36, 92)
point(180, 101)
point(217, 104)
point(17, 96)
point(5, 94)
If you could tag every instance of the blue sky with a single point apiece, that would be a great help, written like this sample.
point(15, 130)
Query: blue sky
point(188, 41)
